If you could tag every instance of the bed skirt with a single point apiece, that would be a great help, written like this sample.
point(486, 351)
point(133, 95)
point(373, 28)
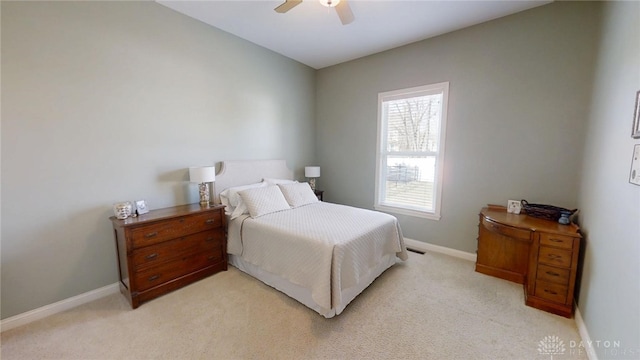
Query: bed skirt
point(302, 294)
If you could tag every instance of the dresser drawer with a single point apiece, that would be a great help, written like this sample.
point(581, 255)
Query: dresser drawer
point(505, 230)
point(186, 264)
point(160, 253)
point(553, 292)
point(553, 274)
point(169, 229)
point(561, 241)
point(553, 256)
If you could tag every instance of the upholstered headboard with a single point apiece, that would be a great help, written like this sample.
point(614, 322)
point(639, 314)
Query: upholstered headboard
point(244, 172)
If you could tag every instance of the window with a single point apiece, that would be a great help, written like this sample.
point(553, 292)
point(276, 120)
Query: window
point(411, 133)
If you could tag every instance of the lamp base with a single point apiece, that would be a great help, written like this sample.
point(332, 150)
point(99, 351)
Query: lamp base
point(204, 194)
point(312, 183)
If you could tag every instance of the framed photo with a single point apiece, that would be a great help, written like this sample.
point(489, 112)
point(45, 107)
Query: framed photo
point(635, 133)
point(141, 207)
point(514, 206)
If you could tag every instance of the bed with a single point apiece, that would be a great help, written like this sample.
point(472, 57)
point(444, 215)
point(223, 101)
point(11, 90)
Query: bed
point(321, 254)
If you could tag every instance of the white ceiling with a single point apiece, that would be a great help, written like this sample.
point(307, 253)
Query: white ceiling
point(313, 35)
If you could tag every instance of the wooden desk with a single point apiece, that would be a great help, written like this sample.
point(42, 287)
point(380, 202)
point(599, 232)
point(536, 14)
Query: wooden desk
point(540, 254)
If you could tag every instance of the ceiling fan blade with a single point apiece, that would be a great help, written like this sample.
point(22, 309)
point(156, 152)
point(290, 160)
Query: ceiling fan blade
point(344, 12)
point(287, 5)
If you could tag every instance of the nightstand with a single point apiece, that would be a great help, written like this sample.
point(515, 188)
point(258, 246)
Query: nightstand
point(319, 194)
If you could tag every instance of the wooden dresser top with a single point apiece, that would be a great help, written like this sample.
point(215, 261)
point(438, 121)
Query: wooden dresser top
point(165, 213)
point(500, 215)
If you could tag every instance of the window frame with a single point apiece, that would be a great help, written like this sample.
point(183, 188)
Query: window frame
point(382, 153)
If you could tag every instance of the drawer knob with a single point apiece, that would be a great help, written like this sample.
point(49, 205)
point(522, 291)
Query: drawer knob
point(150, 235)
point(151, 256)
point(552, 273)
point(550, 292)
point(554, 256)
point(154, 277)
point(211, 238)
point(210, 221)
point(555, 240)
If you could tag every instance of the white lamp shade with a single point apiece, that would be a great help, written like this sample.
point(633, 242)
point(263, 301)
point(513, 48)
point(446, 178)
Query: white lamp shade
point(202, 174)
point(312, 171)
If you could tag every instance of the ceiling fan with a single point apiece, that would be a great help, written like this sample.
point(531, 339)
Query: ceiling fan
point(342, 8)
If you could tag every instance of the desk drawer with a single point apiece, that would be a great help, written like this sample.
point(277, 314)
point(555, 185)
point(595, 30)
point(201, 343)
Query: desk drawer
point(549, 291)
point(161, 231)
point(560, 241)
point(553, 256)
point(553, 274)
point(505, 230)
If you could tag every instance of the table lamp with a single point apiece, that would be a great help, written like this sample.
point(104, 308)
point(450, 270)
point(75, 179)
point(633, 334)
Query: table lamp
point(202, 176)
point(312, 172)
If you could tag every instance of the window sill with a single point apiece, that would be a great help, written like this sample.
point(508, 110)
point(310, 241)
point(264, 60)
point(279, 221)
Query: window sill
point(409, 212)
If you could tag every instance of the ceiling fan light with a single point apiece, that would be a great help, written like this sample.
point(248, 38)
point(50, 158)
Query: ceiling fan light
point(329, 3)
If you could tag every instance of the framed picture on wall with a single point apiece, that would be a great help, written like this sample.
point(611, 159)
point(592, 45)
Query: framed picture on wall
point(635, 133)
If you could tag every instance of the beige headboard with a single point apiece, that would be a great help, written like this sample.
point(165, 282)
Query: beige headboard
point(244, 172)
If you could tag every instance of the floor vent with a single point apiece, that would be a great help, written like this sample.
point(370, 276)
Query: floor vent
point(416, 251)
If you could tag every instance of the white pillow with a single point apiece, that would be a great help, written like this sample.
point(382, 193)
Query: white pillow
point(271, 181)
point(298, 194)
point(264, 200)
point(241, 209)
point(230, 198)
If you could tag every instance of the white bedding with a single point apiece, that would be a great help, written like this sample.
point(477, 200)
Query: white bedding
point(329, 249)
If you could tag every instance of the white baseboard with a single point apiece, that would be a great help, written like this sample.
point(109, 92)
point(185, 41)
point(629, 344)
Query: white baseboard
point(60, 306)
point(423, 246)
point(584, 335)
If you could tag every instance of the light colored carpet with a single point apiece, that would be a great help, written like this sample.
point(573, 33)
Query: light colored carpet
point(431, 307)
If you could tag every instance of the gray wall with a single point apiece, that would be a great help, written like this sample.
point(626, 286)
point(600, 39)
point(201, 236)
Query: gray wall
point(519, 90)
point(609, 298)
point(111, 101)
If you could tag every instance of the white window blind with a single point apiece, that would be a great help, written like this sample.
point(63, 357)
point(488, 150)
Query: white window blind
point(411, 134)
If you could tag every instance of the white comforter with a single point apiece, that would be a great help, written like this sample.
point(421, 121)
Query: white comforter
point(322, 246)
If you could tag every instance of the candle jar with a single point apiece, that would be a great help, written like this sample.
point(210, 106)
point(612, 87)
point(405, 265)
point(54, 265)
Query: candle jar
point(123, 210)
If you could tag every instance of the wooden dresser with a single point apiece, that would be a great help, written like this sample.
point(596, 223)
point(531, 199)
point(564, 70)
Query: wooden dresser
point(166, 249)
point(541, 254)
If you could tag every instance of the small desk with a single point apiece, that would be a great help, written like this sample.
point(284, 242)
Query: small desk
point(540, 254)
